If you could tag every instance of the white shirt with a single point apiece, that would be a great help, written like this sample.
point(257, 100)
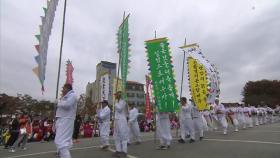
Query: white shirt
point(67, 106)
point(220, 110)
point(186, 112)
point(133, 114)
point(121, 110)
point(104, 114)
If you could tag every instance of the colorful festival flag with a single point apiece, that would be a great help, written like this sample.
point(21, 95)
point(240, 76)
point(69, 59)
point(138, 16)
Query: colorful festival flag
point(69, 72)
point(104, 87)
point(123, 49)
point(148, 114)
point(160, 62)
point(213, 80)
point(43, 38)
point(197, 83)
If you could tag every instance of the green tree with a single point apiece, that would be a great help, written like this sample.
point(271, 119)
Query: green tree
point(262, 92)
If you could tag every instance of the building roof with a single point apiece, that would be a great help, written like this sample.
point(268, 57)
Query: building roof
point(134, 82)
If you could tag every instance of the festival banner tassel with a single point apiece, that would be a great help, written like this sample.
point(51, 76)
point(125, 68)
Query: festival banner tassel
point(43, 39)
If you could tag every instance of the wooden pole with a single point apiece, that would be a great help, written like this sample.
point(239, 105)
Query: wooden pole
point(182, 81)
point(61, 46)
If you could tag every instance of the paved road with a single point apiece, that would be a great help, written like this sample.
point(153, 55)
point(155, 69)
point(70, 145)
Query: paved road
point(257, 142)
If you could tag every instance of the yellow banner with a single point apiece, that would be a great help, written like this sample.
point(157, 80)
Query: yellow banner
point(198, 83)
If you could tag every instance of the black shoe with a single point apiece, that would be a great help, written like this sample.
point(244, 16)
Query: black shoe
point(162, 147)
point(116, 154)
point(138, 143)
point(200, 138)
point(123, 154)
point(181, 141)
point(191, 141)
point(105, 147)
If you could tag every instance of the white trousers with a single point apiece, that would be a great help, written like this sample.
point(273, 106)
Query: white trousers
point(134, 131)
point(198, 126)
point(121, 135)
point(187, 126)
point(63, 138)
point(104, 133)
point(164, 131)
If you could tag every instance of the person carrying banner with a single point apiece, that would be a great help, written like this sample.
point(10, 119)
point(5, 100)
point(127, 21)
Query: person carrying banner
point(65, 116)
point(163, 130)
point(187, 122)
point(103, 115)
point(133, 125)
point(120, 126)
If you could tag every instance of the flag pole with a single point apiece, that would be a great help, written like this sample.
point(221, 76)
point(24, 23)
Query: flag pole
point(182, 80)
point(61, 45)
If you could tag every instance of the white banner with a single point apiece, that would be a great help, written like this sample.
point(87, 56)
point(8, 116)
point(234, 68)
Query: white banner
point(104, 87)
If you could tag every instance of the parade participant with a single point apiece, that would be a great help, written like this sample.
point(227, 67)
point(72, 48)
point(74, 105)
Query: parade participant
point(14, 131)
point(65, 116)
point(241, 117)
point(120, 126)
point(260, 115)
point(133, 125)
point(232, 113)
point(103, 115)
point(77, 125)
point(254, 113)
point(197, 120)
point(247, 115)
point(164, 130)
point(22, 138)
point(221, 115)
point(213, 117)
point(208, 119)
point(187, 122)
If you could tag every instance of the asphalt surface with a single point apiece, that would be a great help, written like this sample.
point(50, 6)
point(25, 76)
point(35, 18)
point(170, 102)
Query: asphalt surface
point(258, 142)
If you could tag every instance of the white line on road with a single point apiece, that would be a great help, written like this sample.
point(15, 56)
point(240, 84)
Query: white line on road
point(129, 156)
point(243, 141)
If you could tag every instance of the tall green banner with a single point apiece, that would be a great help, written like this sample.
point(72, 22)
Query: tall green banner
point(123, 44)
point(160, 62)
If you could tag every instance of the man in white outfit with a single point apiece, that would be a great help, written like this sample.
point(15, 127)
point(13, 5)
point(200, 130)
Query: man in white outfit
point(221, 115)
point(133, 125)
point(197, 121)
point(103, 115)
point(164, 130)
point(232, 113)
point(187, 122)
point(120, 126)
point(65, 116)
point(254, 113)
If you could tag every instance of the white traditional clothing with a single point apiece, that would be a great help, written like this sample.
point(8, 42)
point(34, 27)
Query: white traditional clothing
point(241, 117)
point(232, 113)
point(208, 119)
point(133, 125)
point(163, 129)
point(221, 115)
point(187, 122)
point(65, 116)
point(120, 126)
point(197, 121)
point(104, 125)
point(254, 115)
point(247, 117)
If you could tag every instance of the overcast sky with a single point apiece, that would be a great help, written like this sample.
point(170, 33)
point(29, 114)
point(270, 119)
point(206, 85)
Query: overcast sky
point(241, 37)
